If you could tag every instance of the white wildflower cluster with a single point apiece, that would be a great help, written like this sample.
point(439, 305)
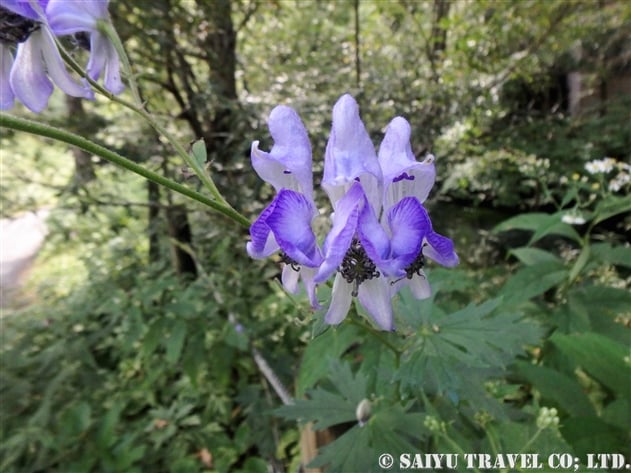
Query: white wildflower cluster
point(608, 165)
point(531, 164)
point(600, 166)
point(573, 218)
point(548, 417)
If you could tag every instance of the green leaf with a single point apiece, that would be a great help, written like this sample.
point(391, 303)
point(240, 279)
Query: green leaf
point(601, 357)
point(475, 337)
point(600, 306)
point(591, 434)
point(607, 253)
point(532, 281)
point(317, 357)
point(557, 387)
point(610, 206)
point(325, 408)
point(390, 430)
point(580, 263)
point(541, 224)
point(531, 256)
point(198, 152)
point(175, 341)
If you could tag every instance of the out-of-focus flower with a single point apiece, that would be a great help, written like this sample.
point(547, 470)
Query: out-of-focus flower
point(600, 166)
point(37, 64)
point(573, 218)
point(89, 16)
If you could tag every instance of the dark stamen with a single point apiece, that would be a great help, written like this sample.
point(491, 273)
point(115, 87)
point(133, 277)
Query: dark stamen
point(356, 266)
point(291, 262)
point(15, 28)
point(416, 266)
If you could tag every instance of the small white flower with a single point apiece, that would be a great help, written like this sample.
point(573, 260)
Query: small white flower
point(599, 166)
point(573, 218)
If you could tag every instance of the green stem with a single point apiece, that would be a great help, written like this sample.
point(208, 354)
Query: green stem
point(139, 109)
point(29, 126)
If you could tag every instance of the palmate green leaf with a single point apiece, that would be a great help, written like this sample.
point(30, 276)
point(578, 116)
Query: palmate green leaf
point(541, 224)
point(391, 430)
point(476, 337)
point(601, 357)
point(325, 408)
point(321, 351)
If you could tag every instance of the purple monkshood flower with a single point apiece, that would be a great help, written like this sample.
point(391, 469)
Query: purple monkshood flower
point(381, 233)
point(86, 16)
point(285, 225)
point(37, 60)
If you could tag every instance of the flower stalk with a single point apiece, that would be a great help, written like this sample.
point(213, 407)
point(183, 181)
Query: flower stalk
point(29, 126)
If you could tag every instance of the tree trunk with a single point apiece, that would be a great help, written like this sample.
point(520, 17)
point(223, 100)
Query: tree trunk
point(181, 240)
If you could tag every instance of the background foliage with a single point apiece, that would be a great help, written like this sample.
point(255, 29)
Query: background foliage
point(132, 346)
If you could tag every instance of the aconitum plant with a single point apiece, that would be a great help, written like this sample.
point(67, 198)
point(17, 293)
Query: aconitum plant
point(380, 231)
point(29, 28)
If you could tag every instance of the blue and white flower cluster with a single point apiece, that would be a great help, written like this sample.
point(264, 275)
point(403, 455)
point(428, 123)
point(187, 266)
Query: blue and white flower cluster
point(380, 233)
point(29, 27)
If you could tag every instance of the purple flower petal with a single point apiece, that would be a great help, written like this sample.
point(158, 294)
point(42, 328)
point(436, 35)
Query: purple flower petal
point(69, 17)
point(341, 299)
point(403, 176)
point(26, 8)
point(6, 93)
point(290, 221)
point(409, 222)
point(263, 243)
point(440, 249)
point(339, 238)
point(374, 295)
point(28, 78)
point(350, 155)
point(288, 164)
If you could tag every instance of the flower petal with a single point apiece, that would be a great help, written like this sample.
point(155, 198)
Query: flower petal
point(307, 274)
point(403, 176)
point(288, 164)
point(339, 238)
point(25, 8)
point(55, 65)
point(440, 249)
point(28, 78)
point(290, 221)
point(350, 155)
point(103, 55)
point(6, 93)
point(419, 285)
point(263, 243)
point(290, 277)
point(341, 299)
point(69, 17)
point(408, 222)
point(374, 295)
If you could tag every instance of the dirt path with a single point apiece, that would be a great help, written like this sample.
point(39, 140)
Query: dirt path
point(20, 239)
